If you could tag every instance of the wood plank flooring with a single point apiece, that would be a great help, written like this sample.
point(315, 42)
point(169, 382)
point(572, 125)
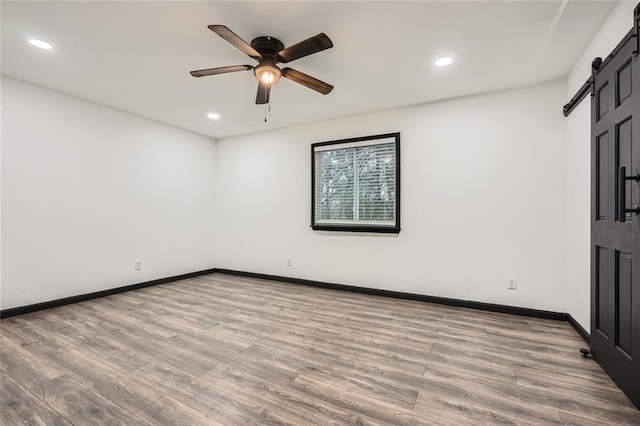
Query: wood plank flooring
point(223, 350)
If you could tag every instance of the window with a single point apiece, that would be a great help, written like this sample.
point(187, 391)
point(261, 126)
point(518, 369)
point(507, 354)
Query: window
point(355, 184)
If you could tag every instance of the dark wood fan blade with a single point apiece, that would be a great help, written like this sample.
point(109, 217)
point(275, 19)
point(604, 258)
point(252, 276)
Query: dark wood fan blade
point(264, 91)
point(234, 39)
point(220, 70)
point(307, 80)
point(306, 47)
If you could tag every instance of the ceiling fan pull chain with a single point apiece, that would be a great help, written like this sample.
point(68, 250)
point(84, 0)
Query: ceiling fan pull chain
point(267, 106)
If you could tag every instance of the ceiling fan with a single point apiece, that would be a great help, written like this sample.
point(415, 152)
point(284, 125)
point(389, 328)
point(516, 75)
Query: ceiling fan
point(269, 51)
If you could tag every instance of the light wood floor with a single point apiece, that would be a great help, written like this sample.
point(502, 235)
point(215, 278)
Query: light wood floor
point(225, 350)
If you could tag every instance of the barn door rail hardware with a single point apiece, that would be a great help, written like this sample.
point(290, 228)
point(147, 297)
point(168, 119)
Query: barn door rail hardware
point(585, 89)
point(577, 98)
point(599, 64)
point(622, 199)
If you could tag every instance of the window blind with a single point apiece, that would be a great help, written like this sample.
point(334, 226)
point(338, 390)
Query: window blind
point(356, 184)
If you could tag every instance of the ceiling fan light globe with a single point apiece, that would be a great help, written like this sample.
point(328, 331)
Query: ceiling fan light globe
point(268, 74)
point(267, 77)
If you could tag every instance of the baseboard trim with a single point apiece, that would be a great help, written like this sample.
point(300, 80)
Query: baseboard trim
point(512, 310)
point(506, 309)
point(580, 329)
point(6, 313)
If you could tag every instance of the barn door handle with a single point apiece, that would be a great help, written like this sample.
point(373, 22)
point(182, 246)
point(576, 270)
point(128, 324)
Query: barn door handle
point(622, 201)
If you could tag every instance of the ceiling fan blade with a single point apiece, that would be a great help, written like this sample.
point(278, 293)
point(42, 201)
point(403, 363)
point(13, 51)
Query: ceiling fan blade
point(264, 91)
point(220, 70)
point(234, 39)
point(307, 80)
point(306, 47)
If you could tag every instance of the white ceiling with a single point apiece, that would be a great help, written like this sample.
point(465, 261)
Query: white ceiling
point(136, 56)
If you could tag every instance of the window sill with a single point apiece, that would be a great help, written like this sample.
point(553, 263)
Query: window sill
point(358, 228)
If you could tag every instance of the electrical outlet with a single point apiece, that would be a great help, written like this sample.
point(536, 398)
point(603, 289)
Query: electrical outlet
point(289, 261)
point(138, 265)
point(512, 283)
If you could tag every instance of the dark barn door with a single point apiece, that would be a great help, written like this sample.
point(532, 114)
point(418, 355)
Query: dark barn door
point(615, 224)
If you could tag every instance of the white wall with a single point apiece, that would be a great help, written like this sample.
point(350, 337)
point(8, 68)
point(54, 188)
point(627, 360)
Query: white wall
point(482, 199)
point(87, 190)
point(578, 164)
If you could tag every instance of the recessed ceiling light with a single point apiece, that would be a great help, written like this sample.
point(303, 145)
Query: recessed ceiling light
point(213, 116)
point(40, 44)
point(443, 61)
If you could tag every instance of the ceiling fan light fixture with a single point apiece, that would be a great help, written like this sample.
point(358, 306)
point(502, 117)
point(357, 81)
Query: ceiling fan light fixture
point(268, 74)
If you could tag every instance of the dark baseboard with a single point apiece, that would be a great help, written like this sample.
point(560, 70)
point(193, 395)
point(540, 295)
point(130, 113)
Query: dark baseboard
point(6, 313)
point(581, 331)
point(512, 310)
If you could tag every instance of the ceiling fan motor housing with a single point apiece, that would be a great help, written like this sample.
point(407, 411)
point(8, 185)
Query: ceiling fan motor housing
point(267, 46)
